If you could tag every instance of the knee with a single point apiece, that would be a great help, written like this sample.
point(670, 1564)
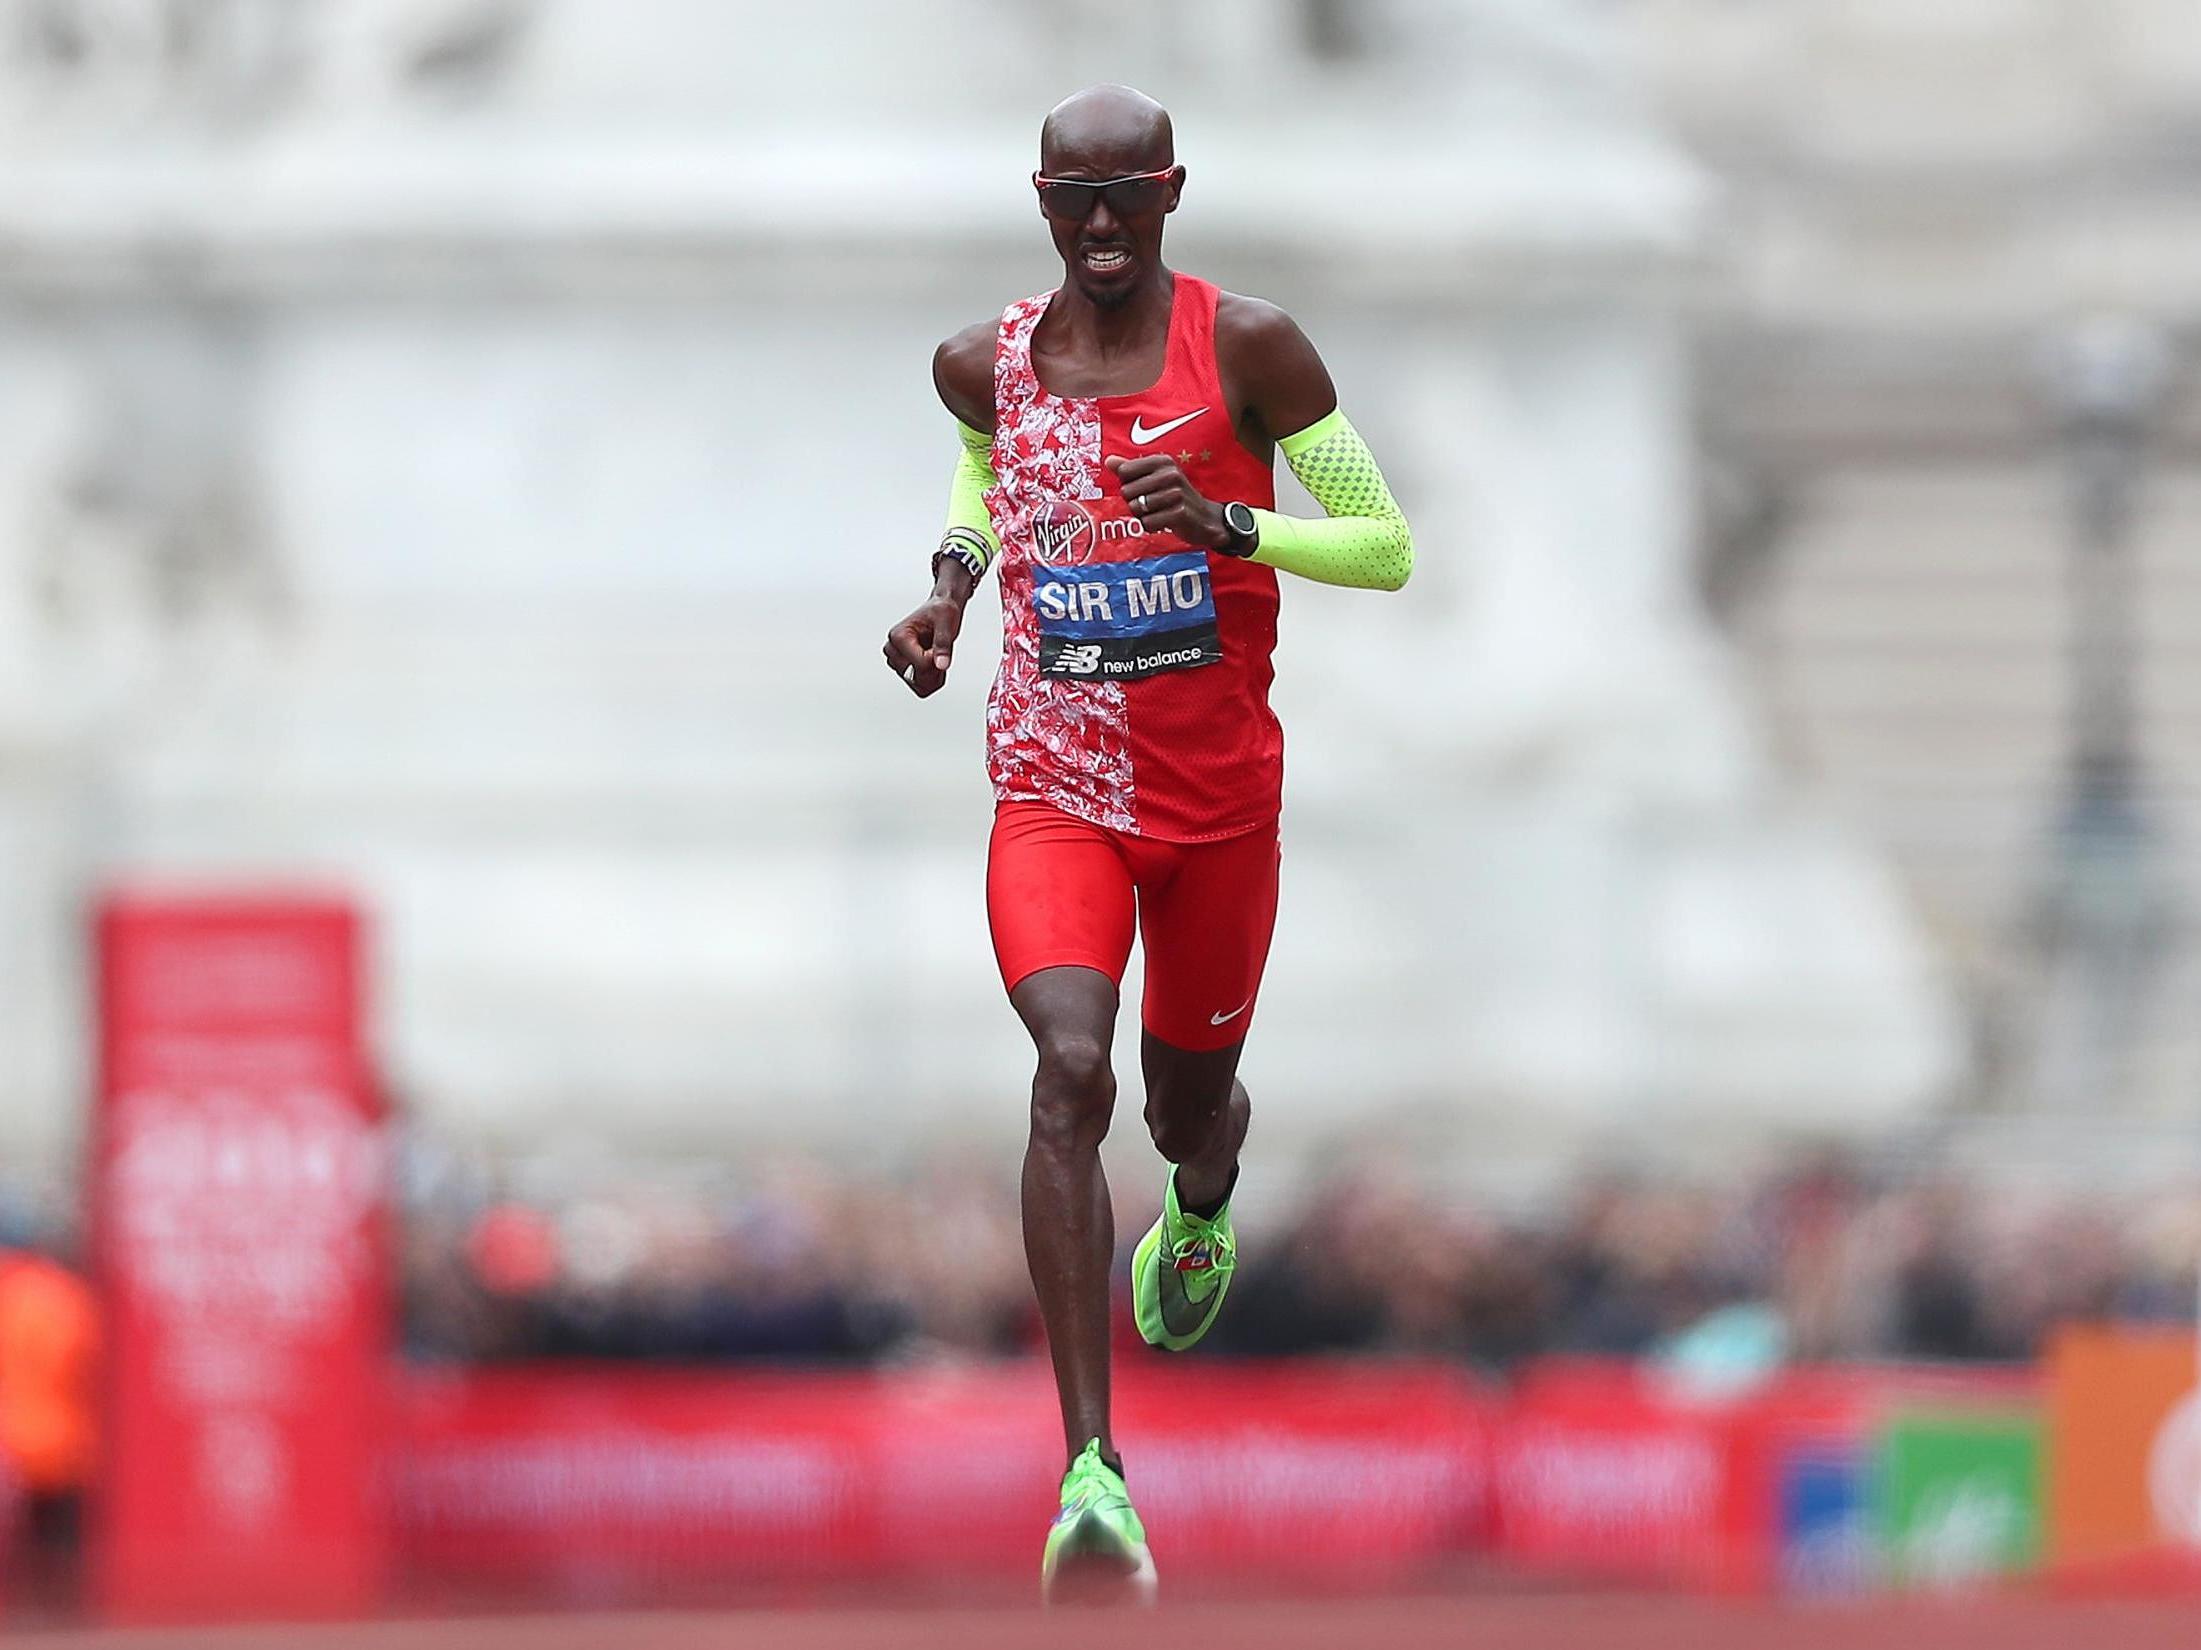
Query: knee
point(1074, 1092)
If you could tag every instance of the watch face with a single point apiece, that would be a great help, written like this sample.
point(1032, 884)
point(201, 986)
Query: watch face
point(1239, 519)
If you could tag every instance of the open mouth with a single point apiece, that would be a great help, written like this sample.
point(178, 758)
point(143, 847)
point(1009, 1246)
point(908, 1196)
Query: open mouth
point(1105, 260)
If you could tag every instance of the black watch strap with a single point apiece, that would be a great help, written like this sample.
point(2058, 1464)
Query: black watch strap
point(1245, 532)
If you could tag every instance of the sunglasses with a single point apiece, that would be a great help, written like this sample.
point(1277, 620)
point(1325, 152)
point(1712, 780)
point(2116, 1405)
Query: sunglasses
point(1072, 199)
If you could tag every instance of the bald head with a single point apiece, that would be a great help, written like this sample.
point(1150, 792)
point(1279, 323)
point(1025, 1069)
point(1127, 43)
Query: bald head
point(1110, 131)
point(1110, 235)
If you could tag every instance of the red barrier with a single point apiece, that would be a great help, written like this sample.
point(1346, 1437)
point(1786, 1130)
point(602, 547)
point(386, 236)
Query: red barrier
point(611, 1480)
point(239, 1202)
point(1595, 1475)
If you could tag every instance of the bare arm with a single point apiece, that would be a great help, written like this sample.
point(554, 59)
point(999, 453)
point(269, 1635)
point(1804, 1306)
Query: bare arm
point(1283, 395)
point(1271, 371)
point(921, 648)
point(963, 373)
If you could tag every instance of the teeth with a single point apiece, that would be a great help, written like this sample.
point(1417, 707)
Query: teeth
point(1107, 260)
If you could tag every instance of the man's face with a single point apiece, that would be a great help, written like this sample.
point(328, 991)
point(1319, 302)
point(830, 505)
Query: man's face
point(1116, 244)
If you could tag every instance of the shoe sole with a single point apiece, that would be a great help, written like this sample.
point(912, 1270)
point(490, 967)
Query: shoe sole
point(1093, 1567)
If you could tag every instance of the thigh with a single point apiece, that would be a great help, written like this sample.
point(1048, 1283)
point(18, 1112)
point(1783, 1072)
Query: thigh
point(1071, 1014)
point(1058, 894)
point(1206, 929)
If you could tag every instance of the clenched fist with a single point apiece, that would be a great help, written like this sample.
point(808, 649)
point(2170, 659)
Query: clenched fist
point(1165, 502)
point(922, 646)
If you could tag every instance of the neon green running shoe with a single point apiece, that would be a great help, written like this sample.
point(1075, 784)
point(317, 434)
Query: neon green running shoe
point(1180, 1273)
point(1096, 1550)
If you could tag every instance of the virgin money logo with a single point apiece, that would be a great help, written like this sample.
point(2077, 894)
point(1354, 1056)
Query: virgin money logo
point(1064, 533)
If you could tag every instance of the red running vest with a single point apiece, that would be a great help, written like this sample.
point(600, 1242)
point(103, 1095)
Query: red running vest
point(1135, 666)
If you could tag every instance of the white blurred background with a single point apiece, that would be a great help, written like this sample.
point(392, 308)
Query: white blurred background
point(464, 453)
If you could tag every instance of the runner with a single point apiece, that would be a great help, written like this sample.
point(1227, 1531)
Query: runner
point(1118, 442)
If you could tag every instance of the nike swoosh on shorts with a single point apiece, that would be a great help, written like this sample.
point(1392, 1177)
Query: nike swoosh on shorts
point(1141, 435)
point(1225, 1019)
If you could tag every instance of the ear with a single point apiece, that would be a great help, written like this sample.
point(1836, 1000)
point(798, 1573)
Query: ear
point(1176, 190)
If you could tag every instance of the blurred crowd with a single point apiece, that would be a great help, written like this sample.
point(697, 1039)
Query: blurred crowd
point(789, 1259)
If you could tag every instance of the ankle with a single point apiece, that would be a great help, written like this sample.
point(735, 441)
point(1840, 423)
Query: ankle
point(1109, 1458)
point(1207, 1208)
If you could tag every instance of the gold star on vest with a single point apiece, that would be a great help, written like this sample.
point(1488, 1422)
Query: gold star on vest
point(1185, 457)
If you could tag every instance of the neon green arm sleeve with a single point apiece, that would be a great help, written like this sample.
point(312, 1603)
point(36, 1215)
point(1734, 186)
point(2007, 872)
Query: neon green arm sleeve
point(1363, 542)
point(969, 525)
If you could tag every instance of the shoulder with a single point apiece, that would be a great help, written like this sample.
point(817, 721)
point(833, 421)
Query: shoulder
point(965, 360)
point(963, 373)
point(1254, 327)
point(1262, 348)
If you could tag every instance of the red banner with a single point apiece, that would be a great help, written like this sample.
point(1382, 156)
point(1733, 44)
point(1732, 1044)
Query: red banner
point(1596, 1476)
point(240, 1210)
point(622, 1482)
point(609, 1481)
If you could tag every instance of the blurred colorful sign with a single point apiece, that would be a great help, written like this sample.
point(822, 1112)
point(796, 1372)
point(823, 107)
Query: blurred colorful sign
point(2125, 1470)
point(628, 1482)
point(240, 1212)
point(1798, 1484)
point(1826, 1545)
point(1957, 1497)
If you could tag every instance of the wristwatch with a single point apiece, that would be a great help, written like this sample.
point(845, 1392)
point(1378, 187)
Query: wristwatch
point(1245, 532)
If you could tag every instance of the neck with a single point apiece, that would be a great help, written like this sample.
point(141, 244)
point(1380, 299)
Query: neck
point(1119, 326)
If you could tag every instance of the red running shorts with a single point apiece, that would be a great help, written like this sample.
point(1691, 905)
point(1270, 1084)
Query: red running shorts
point(1062, 892)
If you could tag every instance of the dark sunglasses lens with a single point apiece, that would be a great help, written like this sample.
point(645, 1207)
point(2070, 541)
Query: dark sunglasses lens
point(1139, 195)
point(1073, 201)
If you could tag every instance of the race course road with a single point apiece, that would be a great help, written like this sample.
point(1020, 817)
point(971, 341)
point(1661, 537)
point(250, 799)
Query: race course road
point(1555, 1622)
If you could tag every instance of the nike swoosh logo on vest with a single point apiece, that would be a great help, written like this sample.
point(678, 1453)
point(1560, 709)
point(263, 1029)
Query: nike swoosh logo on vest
point(1141, 435)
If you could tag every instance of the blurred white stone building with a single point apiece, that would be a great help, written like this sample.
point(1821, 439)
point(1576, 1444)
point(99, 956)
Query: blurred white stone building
point(467, 451)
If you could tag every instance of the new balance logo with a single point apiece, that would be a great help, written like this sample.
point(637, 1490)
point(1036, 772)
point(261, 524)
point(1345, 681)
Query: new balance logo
point(1141, 435)
point(1082, 660)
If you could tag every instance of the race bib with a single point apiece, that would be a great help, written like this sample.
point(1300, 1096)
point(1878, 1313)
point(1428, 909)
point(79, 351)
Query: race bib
point(1118, 621)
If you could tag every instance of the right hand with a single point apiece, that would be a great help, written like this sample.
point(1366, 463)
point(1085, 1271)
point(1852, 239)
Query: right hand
point(922, 646)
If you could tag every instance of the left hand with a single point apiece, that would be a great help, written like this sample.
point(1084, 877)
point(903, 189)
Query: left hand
point(1165, 502)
